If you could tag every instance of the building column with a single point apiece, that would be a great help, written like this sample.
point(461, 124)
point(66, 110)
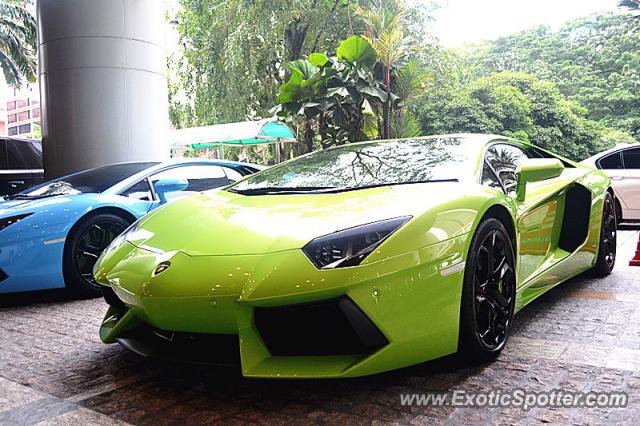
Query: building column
point(103, 83)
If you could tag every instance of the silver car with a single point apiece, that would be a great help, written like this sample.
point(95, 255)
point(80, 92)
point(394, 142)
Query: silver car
point(622, 164)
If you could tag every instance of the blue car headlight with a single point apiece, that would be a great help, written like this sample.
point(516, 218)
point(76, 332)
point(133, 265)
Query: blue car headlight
point(8, 221)
point(351, 246)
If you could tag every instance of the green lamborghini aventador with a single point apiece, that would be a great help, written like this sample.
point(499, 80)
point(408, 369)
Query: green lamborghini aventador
point(360, 258)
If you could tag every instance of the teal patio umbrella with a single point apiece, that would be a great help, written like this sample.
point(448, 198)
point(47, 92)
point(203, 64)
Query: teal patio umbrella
point(243, 133)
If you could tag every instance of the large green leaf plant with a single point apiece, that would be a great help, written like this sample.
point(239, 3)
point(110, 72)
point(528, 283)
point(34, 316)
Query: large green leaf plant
point(336, 99)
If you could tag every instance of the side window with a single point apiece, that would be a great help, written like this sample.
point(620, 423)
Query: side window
point(505, 160)
point(139, 191)
point(489, 178)
point(611, 162)
point(3, 154)
point(201, 178)
point(31, 156)
point(232, 174)
point(631, 158)
point(14, 159)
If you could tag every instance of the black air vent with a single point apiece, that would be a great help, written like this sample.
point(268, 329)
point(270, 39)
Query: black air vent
point(332, 327)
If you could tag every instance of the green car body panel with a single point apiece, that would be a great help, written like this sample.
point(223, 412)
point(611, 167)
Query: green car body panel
point(229, 254)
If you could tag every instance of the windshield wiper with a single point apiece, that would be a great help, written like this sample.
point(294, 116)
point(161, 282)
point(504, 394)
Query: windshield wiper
point(267, 190)
point(282, 190)
point(377, 185)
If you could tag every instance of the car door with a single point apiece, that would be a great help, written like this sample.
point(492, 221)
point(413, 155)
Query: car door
point(31, 154)
point(611, 165)
point(15, 174)
point(535, 220)
point(627, 183)
point(5, 173)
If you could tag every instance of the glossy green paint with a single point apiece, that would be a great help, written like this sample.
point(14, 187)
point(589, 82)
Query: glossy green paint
point(230, 253)
point(536, 170)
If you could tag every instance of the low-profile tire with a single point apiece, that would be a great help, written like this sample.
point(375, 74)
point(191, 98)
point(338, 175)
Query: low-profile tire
point(619, 218)
point(85, 242)
point(606, 259)
point(488, 294)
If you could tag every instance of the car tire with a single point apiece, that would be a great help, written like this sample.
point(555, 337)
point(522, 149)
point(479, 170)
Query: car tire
point(619, 218)
point(606, 259)
point(85, 242)
point(488, 294)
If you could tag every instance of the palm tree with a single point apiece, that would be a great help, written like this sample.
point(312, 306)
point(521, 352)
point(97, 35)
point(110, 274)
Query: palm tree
point(384, 25)
point(17, 43)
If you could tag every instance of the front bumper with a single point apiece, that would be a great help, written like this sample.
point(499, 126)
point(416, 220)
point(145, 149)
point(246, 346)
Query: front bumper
point(288, 318)
point(32, 260)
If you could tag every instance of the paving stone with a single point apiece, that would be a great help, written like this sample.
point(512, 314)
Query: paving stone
point(54, 370)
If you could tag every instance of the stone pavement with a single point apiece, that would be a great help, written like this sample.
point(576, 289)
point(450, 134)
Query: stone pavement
point(582, 336)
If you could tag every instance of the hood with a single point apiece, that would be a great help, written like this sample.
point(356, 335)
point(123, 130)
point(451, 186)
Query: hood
point(225, 223)
point(10, 208)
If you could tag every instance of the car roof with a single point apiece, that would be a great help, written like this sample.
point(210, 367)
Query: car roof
point(159, 166)
point(619, 147)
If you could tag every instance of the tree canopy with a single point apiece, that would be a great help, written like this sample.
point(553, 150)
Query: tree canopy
point(513, 104)
point(17, 42)
point(235, 53)
point(594, 61)
point(575, 90)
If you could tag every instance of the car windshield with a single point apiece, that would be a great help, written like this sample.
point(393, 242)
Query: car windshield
point(365, 165)
point(90, 181)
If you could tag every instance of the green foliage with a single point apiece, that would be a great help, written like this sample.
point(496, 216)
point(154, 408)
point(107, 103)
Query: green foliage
point(235, 53)
point(338, 96)
point(594, 61)
point(357, 50)
point(385, 24)
point(348, 70)
point(517, 105)
point(17, 43)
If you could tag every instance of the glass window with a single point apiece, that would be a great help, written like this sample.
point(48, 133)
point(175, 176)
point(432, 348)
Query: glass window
point(505, 160)
point(13, 131)
point(14, 159)
point(3, 154)
point(11, 105)
point(489, 178)
point(22, 103)
point(23, 116)
point(232, 174)
point(631, 158)
point(12, 118)
point(25, 128)
point(139, 191)
point(90, 181)
point(200, 177)
point(368, 164)
point(611, 162)
point(31, 156)
point(36, 113)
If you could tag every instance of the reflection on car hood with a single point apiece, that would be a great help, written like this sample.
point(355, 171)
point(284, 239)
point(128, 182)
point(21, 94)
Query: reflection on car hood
point(226, 223)
point(19, 206)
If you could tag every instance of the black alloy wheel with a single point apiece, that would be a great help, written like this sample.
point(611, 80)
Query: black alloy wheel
point(489, 293)
point(607, 249)
point(84, 245)
point(494, 287)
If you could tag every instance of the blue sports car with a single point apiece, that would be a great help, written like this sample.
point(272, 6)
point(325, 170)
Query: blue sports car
point(52, 234)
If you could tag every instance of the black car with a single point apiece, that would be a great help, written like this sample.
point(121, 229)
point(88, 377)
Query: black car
point(20, 164)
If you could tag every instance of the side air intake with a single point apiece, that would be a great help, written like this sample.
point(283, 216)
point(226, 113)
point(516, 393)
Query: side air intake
point(575, 222)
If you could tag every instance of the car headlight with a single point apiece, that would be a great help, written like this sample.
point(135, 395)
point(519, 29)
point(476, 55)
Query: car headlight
point(351, 246)
point(8, 221)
